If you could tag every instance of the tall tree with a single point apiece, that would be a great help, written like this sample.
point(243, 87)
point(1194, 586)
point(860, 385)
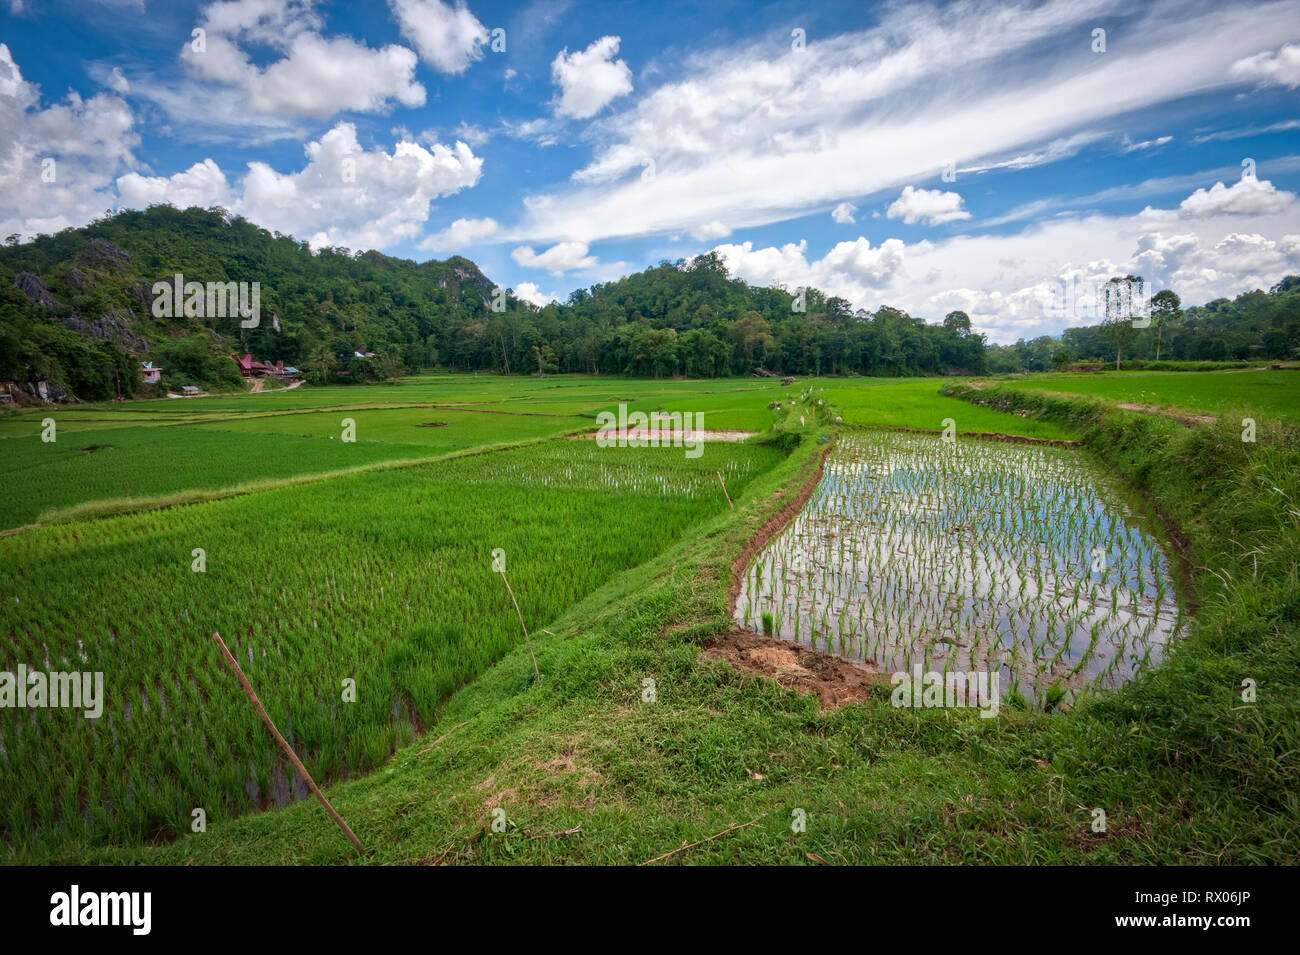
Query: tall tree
point(1166, 309)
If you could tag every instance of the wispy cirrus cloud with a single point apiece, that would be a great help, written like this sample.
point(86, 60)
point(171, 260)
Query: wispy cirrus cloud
point(762, 134)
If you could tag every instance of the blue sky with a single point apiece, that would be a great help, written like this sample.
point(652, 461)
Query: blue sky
point(1003, 158)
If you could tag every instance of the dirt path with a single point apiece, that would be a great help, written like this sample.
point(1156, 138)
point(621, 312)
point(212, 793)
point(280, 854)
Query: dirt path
point(1182, 417)
point(835, 681)
point(257, 388)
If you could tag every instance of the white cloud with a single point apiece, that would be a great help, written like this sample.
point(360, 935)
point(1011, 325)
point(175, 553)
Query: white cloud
point(529, 292)
point(590, 79)
point(558, 259)
point(203, 184)
point(344, 195)
point(858, 260)
point(758, 134)
point(1132, 147)
point(1045, 277)
point(710, 231)
point(1244, 132)
point(460, 234)
point(57, 164)
point(843, 213)
point(929, 206)
point(117, 82)
point(448, 38)
point(1247, 196)
point(474, 135)
point(316, 77)
point(1282, 67)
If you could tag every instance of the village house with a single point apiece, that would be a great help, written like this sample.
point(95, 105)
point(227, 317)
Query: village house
point(252, 369)
point(150, 373)
point(258, 369)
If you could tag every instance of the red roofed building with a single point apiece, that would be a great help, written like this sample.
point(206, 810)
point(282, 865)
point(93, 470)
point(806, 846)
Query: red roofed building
point(252, 369)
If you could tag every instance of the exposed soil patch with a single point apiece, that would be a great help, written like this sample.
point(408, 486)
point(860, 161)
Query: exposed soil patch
point(665, 435)
point(833, 680)
point(92, 448)
point(432, 424)
point(1181, 417)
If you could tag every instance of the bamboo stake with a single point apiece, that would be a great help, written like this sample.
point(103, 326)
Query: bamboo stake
point(288, 750)
point(724, 489)
point(702, 841)
point(527, 639)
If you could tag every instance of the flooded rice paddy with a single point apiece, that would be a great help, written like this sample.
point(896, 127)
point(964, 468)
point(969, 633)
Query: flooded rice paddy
point(968, 556)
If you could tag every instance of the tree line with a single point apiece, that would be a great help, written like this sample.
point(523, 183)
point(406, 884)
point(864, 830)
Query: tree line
point(75, 308)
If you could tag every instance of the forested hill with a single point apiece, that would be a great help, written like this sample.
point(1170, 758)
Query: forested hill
point(76, 311)
point(73, 305)
point(74, 308)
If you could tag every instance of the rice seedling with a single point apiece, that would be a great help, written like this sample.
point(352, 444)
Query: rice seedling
point(987, 556)
point(356, 606)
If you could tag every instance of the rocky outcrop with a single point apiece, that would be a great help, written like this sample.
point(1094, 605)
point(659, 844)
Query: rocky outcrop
point(113, 326)
point(102, 251)
point(47, 391)
point(37, 292)
point(79, 280)
point(142, 292)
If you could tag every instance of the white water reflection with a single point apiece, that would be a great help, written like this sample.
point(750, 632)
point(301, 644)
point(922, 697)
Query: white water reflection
point(968, 555)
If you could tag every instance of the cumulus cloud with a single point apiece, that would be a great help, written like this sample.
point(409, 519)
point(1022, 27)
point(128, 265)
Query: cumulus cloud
point(709, 231)
point(449, 38)
point(843, 213)
point(57, 164)
point(203, 184)
point(929, 206)
point(590, 79)
point(848, 265)
point(1247, 196)
point(1045, 277)
point(529, 292)
point(461, 234)
point(558, 259)
point(345, 195)
point(1281, 67)
point(315, 77)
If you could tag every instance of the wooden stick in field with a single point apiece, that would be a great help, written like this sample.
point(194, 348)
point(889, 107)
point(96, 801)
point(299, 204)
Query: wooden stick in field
point(702, 841)
point(527, 639)
point(288, 750)
point(724, 489)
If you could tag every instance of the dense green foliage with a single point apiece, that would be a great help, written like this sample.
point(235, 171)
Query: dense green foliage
point(87, 290)
point(330, 304)
point(1254, 326)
